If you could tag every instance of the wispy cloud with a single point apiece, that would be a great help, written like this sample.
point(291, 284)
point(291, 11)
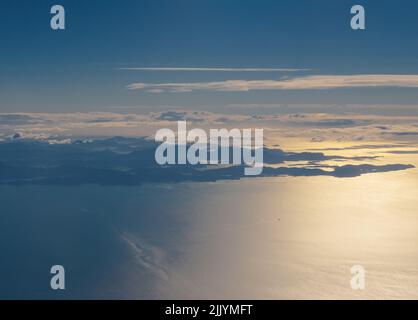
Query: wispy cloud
point(199, 69)
point(306, 82)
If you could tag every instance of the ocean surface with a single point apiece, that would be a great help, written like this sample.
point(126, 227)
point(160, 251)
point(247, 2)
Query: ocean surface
point(270, 238)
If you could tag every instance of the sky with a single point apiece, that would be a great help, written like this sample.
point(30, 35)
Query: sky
point(97, 63)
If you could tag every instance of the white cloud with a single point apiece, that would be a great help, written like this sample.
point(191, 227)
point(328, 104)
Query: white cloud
point(156, 69)
point(278, 128)
point(306, 82)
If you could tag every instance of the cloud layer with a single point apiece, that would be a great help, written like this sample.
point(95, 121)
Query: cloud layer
point(157, 69)
point(278, 127)
point(297, 83)
point(131, 161)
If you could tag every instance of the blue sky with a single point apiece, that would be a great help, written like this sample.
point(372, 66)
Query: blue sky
point(77, 69)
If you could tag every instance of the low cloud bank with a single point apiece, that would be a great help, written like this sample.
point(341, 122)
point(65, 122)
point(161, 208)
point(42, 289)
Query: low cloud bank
point(130, 161)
